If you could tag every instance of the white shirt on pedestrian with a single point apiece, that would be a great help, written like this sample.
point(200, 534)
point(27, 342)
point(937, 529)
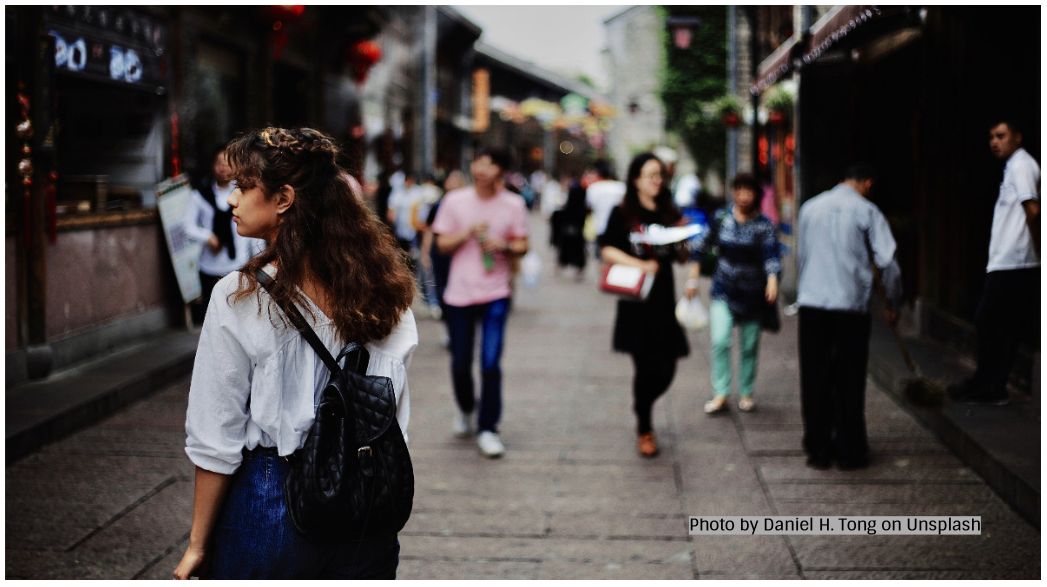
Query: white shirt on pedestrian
point(837, 229)
point(687, 189)
point(1011, 246)
point(256, 384)
point(199, 222)
point(552, 198)
point(602, 196)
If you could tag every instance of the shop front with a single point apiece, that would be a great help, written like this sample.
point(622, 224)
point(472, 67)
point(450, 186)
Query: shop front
point(85, 256)
point(914, 91)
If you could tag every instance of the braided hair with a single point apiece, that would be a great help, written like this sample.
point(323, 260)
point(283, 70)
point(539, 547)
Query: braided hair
point(327, 235)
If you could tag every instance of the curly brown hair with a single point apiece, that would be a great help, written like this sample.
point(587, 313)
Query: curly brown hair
point(327, 234)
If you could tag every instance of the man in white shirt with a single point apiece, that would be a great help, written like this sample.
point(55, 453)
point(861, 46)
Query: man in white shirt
point(208, 219)
point(1010, 300)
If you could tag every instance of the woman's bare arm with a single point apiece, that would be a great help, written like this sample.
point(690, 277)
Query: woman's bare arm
point(208, 497)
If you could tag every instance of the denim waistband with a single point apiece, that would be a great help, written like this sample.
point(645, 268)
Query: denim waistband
point(260, 451)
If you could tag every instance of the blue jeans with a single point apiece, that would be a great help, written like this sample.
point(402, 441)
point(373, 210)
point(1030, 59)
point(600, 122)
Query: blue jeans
point(254, 538)
point(461, 322)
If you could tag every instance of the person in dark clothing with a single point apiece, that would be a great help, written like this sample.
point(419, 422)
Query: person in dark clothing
point(571, 243)
point(381, 198)
point(209, 219)
point(648, 330)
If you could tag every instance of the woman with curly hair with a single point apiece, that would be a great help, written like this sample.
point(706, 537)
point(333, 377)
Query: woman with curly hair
point(256, 380)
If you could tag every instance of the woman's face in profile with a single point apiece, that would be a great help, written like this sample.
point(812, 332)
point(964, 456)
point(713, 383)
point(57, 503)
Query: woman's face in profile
point(255, 214)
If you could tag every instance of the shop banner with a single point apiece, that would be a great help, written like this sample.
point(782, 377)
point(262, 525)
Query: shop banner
point(172, 198)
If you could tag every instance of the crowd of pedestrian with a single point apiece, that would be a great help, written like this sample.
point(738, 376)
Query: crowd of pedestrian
point(279, 203)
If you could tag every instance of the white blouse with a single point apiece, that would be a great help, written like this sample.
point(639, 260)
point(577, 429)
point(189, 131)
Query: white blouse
point(256, 384)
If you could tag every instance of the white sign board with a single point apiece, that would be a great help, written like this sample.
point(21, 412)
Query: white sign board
point(172, 198)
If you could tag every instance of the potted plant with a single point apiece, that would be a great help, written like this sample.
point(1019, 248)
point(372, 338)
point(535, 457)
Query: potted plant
point(779, 103)
point(728, 108)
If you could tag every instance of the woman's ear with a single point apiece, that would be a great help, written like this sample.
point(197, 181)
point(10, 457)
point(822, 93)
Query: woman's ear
point(284, 199)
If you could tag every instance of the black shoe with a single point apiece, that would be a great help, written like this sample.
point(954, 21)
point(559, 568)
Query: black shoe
point(819, 461)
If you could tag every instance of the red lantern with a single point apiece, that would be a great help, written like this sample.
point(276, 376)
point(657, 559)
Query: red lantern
point(285, 13)
point(731, 119)
point(279, 16)
point(776, 117)
point(361, 56)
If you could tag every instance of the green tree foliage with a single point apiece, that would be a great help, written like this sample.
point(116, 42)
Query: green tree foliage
point(692, 78)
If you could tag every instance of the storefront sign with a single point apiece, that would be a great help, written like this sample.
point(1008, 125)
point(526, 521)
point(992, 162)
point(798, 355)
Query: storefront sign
point(172, 198)
point(110, 43)
point(481, 99)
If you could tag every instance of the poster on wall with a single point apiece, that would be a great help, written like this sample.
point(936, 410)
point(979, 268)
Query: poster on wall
point(172, 198)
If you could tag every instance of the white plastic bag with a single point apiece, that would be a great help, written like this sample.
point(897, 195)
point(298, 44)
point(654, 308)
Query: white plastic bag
point(691, 314)
point(530, 269)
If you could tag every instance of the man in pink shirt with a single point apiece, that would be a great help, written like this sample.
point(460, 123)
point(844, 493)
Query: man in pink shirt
point(481, 226)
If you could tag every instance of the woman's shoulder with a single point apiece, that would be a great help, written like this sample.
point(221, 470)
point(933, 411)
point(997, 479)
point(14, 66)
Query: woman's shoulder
point(242, 312)
point(402, 341)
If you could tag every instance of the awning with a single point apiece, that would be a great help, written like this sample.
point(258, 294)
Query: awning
point(835, 26)
point(829, 30)
point(775, 67)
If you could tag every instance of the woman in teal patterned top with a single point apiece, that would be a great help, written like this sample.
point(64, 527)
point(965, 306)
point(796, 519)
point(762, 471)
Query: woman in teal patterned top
point(745, 283)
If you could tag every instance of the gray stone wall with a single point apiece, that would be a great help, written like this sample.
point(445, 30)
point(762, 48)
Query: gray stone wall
point(635, 58)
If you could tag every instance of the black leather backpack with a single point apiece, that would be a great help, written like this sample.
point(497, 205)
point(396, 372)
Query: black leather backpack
point(353, 479)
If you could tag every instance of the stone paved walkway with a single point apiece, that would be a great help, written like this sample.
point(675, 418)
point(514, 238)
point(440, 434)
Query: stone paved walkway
point(571, 499)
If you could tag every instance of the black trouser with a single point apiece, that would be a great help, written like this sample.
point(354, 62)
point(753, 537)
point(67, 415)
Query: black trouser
point(207, 283)
point(654, 375)
point(1008, 312)
point(834, 358)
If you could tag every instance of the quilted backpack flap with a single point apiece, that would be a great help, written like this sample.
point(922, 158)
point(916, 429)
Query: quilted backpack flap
point(374, 404)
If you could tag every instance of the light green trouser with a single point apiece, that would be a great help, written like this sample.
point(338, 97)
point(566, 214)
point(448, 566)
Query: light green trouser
point(721, 322)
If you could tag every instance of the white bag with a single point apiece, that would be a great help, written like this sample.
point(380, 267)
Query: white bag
point(531, 268)
point(691, 314)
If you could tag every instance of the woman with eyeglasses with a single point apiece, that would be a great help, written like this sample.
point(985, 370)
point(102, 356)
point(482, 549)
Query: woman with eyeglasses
point(647, 330)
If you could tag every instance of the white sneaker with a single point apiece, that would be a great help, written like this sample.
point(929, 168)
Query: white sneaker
point(462, 425)
point(490, 445)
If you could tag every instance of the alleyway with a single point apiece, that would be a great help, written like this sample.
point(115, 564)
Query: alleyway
point(571, 499)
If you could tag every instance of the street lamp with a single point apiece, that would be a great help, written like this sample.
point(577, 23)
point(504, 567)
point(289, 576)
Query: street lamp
point(682, 29)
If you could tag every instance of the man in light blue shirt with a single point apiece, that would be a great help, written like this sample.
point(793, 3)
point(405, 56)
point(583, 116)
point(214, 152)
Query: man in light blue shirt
point(841, 236)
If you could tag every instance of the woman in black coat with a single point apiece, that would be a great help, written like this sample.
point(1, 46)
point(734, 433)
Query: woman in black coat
point(648, 330)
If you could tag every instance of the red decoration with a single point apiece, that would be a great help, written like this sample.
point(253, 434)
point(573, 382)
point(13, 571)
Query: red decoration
point(776, 117)
point(285, 13)
point(279, 16)
point(361, 56)
point(176, 163)
point(731, 119)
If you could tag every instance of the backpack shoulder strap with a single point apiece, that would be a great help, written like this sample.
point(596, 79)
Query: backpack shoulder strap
point(299, 321)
